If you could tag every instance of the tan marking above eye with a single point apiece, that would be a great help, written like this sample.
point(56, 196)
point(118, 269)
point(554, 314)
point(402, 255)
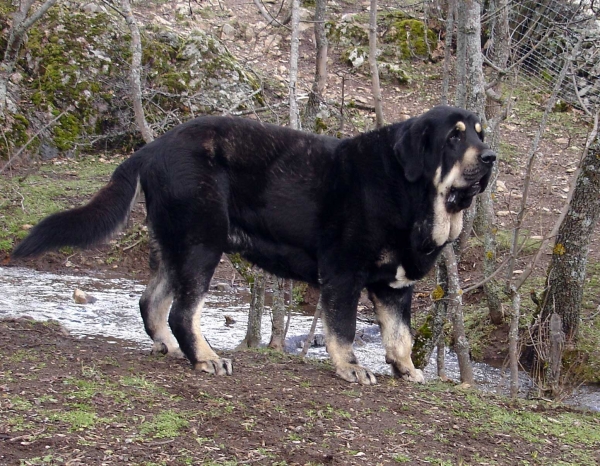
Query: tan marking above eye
point(478, 127)
point(461, 126)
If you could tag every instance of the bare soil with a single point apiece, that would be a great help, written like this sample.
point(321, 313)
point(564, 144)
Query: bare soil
point(81, 402)
point(98, 401)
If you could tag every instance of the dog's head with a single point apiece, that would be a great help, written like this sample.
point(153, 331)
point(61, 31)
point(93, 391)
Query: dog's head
point(445, 145)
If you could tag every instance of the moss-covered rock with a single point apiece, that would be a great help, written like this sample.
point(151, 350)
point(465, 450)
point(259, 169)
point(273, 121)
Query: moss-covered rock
point(76, 67)
point(399, 38)
point(411, 37)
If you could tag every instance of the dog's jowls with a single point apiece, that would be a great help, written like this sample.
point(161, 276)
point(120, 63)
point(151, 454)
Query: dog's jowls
point(372, 211)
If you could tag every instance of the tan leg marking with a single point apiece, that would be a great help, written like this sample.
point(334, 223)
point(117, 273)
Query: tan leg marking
point(207, 359)
point(342, 356)
point(397, 342)
point(159, 306)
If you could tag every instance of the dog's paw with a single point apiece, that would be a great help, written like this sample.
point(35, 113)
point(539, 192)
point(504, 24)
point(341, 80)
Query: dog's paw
point(356, 374)
point(160, 347)
point(219, 366)
point(416, 377)
point(409, 374)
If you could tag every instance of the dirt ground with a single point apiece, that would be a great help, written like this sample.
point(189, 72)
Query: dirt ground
point(81, 402)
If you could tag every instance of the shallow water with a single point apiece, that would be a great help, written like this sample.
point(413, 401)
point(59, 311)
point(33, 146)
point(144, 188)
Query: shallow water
point(46, 296)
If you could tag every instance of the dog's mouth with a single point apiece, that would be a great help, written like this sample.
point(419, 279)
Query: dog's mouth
point(460, 198)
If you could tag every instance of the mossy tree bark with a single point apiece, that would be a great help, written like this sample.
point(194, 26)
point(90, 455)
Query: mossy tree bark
point(567, 270)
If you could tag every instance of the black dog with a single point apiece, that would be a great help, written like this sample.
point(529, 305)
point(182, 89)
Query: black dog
point(371, 211)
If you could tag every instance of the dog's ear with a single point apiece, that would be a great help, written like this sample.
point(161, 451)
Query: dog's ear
point(412, 148)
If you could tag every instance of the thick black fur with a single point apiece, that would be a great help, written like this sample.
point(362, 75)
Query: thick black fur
point(303, 206)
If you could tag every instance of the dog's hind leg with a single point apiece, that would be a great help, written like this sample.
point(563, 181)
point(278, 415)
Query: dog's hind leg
point(339, 300)
point(155, 304)
point(392, 307)
point(191, 282)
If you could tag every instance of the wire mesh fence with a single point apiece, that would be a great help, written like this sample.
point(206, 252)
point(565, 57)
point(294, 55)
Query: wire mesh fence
point(542, 36)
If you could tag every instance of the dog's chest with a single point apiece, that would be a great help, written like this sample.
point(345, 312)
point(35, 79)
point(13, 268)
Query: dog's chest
point(390, 268)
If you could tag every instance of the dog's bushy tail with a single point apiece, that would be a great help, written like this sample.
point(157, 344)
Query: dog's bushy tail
point(92, 223)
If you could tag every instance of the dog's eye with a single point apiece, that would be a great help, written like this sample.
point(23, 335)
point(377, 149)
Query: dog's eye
point(455, 135)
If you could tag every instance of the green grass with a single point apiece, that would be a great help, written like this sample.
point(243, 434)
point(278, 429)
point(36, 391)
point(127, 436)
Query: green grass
point(166, 424)
point(26, 200)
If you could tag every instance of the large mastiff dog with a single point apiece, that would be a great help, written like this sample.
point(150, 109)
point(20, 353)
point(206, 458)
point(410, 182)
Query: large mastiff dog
point(372, 211)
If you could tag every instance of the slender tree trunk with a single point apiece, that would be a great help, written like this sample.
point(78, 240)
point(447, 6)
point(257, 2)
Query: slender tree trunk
point(513, 342)
point(21, 23)
point(135, 73)
point(315, 97)
point(448, 50)
point(278, 313)
point(461, 344)
point(430, 333)
point(257, 304)
point(485, 222)
point(460, 97)
point(476, 97)
point(373, 64)
point(295, 45)
point(311, 334)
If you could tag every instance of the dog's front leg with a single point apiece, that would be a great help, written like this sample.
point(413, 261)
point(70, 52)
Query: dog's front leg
point(339, 300)
point(392, 307)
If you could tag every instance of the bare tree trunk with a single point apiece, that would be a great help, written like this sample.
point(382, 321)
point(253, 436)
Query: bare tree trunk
point(257, 305)
point(557, 341)
point(448, 50)
point(485, 222)
point(441, 360)
point(315, 97)
point(311, 334)
point(460, 98)
point(513, 342)
point(21, 23)
point(461, 344)
point(373, 64)
point(278, 313)
point(430, 333)
point(295, 45)
point(476, 97)
point(135, 74)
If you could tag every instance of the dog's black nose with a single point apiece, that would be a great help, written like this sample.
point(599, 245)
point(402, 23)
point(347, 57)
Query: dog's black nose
point(488, 156)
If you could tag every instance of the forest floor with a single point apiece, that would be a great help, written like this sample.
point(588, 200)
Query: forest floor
point(75, 401)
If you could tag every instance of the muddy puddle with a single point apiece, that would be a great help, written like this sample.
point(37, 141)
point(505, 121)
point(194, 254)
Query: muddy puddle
point(47, 296)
